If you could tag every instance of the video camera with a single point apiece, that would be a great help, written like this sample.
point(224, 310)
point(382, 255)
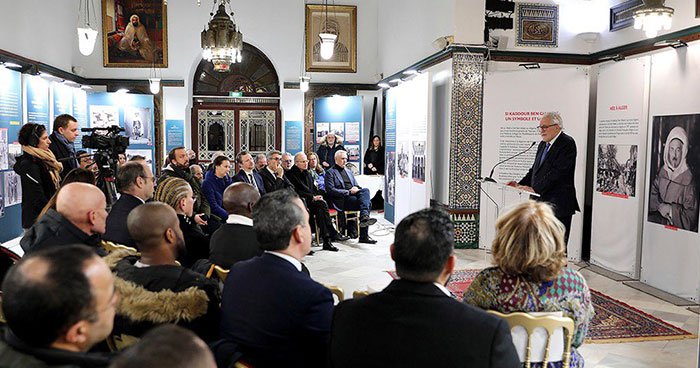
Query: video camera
point(109, 145)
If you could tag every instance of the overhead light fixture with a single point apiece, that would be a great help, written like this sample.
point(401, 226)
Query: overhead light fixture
point(154, 85)
point(122, 91)
point(616, 57)
point(676, 44)
point(328, 36)
point(530, 65)
point(8, 64)
point(589, 37)
point(304, 83)
point(653, 17)
point(222, 43)
point(397, 80)
point(384, 85)
point(86, 34)
point(410, 72)
point(85, 88)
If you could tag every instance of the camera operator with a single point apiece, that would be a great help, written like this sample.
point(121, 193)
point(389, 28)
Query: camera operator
point(65, 131)
point(39, 170)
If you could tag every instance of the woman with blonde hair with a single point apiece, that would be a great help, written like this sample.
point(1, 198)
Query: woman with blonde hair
point(317, 172)
point(326, 151)
point(530, 273)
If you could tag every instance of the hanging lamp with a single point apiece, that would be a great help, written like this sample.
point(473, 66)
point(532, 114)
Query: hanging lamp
point(86, 35)
point(653, 17)
point(222, 44)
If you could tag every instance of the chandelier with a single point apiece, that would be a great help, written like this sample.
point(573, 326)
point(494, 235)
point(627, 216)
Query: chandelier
point(222, 44)
point(652, 17)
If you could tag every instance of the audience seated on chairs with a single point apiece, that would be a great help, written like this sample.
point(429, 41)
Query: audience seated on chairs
point(305, 187)
point(58, 302)
point(235, 240)
point(79, 218)
point(247, 173)
point(344, 194)
point(178, 167)
point(154, 288)
point(260, 162)
point(272, 309)
point(79, 175)
point(178, 194)
point(273, 175)
point(287, 161)
point(197, 173)
point(135, 182)
point(317, 172)
point(415, 321)
point(214, 184)
point(530, 273)
point(167, 346)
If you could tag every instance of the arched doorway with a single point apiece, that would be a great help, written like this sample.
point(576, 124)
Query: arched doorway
point(236, 110)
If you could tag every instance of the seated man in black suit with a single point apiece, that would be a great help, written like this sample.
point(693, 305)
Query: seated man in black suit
point(273, 174)
point(154, 288)
point(135, 182)
point(247, 172)
point(59, 303)
point(79, 218)
point(272, 309)
point(344, 194)
point(415, 322)
point(305, 186)
point(235, 240)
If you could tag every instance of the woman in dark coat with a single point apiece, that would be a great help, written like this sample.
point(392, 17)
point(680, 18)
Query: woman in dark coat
point(38, 169)
point(374, 157)
point(326, 151)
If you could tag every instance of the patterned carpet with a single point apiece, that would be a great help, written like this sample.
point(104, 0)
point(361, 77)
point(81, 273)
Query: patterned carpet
point(614, 321)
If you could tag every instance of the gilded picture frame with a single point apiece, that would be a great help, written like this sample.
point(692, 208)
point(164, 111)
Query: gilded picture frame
point(134, 35)
point(342, 20)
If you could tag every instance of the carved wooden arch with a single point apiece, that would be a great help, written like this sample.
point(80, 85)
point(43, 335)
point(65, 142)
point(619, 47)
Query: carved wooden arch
point(254, 76)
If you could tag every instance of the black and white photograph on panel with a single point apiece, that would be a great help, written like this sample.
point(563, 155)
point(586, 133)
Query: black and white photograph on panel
point(4, 150)
point(13, 189)
point(146, 154)
point(137, 123)
point(390, 177)
point(15, 150)
point(418, 166)
point(617, 169)
point(674, 168)
point(353, 152)
point(103, 116)
point(402, 160)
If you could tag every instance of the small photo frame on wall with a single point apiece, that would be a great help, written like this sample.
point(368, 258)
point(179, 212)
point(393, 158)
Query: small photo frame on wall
point(134, 33)
point(340, 20)
point(621, 14)
point(537, 25)
point(697, 8)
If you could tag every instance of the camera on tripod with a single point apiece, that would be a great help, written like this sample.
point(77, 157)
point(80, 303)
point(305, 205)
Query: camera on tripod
point(109, 145)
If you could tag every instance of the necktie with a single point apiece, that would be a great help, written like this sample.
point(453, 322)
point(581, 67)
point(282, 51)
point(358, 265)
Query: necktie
point(544, 154)
point(252, 182)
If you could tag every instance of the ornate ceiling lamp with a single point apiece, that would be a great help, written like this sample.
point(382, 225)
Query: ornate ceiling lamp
point(652, 17)
point(328, 38)
point(222, 44)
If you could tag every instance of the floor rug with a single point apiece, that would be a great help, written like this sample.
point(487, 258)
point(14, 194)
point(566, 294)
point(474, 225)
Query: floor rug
point(614, 321)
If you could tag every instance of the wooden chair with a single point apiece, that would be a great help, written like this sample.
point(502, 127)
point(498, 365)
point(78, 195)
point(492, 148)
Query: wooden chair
point(334, 220)
point(352, 216)
point(220, 272)
point(120, 342)
point(550, 324)
point(337, 291)
point(111, 247)
point(357, 294)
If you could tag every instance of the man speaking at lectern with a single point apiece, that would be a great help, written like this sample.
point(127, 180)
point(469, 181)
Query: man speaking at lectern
point(552, 174)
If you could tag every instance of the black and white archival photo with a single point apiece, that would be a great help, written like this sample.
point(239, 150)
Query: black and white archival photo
point(617, 169)
point(402, 161)
point(4, 150)
point(137, 123)
point(103, 116)
point(390, 177)
point(13, 189)
point(418, 166)
point(674, 168)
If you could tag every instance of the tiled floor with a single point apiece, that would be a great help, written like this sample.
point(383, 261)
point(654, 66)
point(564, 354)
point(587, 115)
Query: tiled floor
point(361, 267)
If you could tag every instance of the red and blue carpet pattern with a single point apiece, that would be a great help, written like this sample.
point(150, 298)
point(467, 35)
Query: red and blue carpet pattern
point(614, 321)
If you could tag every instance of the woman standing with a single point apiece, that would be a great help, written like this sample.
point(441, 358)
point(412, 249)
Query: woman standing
point(317, 172)
point(214, 184)
point(374, 157)
point(326, 151)
point(39, 170)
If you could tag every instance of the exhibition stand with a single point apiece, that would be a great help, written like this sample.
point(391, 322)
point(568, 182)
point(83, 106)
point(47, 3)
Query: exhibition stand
point(499, 198)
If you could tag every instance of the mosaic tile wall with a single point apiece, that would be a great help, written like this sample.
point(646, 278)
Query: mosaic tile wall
point(465, 146)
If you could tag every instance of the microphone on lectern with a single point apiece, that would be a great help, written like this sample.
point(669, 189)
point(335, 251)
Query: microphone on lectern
point(490, 177)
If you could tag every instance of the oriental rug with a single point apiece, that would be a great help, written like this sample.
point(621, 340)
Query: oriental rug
point(614, 321)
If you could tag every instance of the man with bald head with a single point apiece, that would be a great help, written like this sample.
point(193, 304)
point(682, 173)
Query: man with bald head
point(79, 218)
point(235, 240)
point(159, 290)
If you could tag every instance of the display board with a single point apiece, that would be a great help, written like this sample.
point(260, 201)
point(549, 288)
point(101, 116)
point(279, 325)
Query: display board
point(80, 114)
point(514, 102)
point(293, 136)
point(62, 100)
point(174, 134)
point(37, 97)
point(620, 142)
point(343, 116)
point(409, 162)
point(11, 117)
point(390, 153)
point(132, 112)
point(670, 251)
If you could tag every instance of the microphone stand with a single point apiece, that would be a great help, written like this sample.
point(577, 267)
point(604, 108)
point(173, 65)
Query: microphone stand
point(490, 177)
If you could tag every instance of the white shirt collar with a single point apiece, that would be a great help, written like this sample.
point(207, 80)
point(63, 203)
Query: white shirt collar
point(443, 289)
point(239, 220)
point(270, 170)
point(248, 173)
point(288, 258)
point(551, 143)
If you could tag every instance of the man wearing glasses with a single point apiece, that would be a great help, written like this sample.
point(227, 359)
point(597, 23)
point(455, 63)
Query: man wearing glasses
point(552, 174)
point(272, 175)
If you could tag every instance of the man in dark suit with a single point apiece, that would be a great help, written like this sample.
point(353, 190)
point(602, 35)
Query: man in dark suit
point(415, 322)
point(273, 174)
point(135, 183)
point(65, 132)
point(305, 186)
point(247, 174)
point(552, 174)
point(344, 194)
point(235, 240)
point(272, 310)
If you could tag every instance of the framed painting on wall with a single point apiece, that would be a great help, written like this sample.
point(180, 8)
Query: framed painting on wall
point(697, 8)
point(621, 14)
point(340, 20)
point(134, 33)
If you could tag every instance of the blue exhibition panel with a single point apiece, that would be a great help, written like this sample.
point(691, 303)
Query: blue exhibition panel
point(343, 116)
point(10, 123)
